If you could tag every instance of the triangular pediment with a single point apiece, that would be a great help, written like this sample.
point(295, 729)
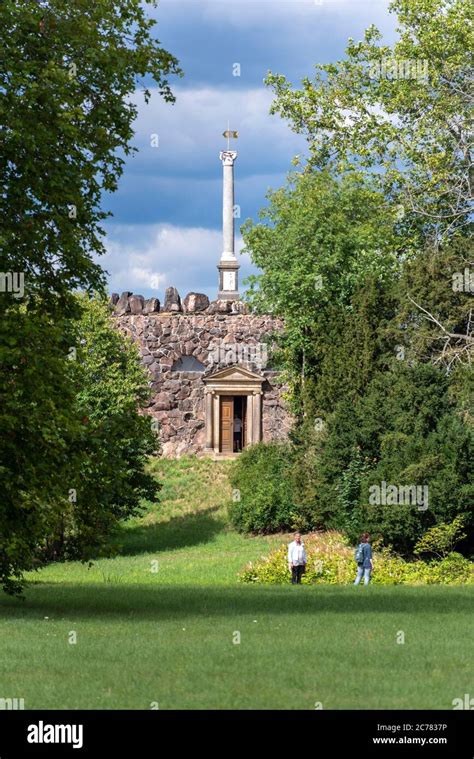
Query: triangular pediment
point(234, 373)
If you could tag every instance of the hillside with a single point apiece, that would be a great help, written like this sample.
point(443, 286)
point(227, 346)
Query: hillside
point(188, 635)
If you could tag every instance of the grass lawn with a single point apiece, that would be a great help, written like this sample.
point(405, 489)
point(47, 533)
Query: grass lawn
point(157, 624)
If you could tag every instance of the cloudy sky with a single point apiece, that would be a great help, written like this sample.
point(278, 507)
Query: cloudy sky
point(167, 212)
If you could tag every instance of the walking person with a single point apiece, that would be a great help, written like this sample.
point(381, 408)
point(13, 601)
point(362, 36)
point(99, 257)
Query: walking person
point(296, 559)
point(363, 557)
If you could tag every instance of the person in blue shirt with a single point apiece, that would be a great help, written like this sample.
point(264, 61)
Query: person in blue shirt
point(364, 567)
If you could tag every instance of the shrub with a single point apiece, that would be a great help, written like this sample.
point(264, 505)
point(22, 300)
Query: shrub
point(405, 430)
point(331, 561)
point(441, 539)
point(260, 480)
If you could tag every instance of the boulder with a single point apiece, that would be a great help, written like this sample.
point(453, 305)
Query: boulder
point(163, 401)
point(194, 302)
point(123, 306)
point(114, 299)
point(151, 306)
point(172, 300)
point(219, 307)
point(190, 346)
point(136, 303)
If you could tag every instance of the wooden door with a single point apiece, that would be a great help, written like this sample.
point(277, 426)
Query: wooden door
point(227, 424)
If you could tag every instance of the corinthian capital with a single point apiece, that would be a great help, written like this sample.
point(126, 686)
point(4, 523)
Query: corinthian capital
point(228, 157)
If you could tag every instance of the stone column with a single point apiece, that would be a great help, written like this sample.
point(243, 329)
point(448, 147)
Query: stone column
point(228, 157)
point(250, 419)
point(257, 416)
point(228, 266)
point(216, 421)
point(209, 420)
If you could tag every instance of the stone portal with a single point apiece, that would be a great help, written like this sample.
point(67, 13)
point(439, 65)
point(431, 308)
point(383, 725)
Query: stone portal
point(233, 394)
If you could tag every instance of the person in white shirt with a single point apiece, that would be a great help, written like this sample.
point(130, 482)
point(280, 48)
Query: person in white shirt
point(296, 559)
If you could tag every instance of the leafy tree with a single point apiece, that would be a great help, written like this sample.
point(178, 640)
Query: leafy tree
point(358, 254)
point(262, 499)
point(441, 330)
point(401, 112)
point(108, 476)
point(39, 431)
point(372, 400)
point(320, 242)
point(408, 433)
point(68, 70)
point(74, 445)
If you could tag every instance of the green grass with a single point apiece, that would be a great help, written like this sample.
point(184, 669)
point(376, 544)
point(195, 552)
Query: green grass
point(167, 636)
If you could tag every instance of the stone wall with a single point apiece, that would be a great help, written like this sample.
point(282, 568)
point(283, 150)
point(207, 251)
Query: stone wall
point(216, 337)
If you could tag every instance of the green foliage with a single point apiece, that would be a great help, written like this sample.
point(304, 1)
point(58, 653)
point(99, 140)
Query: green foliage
point(39, 430)
point(348, 488)
point(74, 447)
point(321, 238)
point(403, 110)
point(441, 539)
point(325, 249)
point(367, 367)
point(434, 312)
point(404, 431)
point(111, 386)
point(262, 498)
point(68, 71)
point(331, 561)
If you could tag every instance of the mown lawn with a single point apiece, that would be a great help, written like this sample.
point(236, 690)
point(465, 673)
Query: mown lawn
point(157, 625)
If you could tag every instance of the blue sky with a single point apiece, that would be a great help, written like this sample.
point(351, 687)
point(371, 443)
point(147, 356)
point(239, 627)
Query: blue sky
point(167, 212)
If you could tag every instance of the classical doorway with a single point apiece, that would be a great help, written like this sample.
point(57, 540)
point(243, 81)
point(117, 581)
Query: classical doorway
point(233, 423)
point(233, 409)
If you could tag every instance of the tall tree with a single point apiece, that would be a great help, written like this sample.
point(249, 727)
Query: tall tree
point(68, 68)
point(402, 111)
point(320, 241)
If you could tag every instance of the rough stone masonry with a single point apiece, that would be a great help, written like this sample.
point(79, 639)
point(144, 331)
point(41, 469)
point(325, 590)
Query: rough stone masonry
point(184, 343)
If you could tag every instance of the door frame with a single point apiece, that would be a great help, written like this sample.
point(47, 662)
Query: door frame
point(232, 381)
point(244, 420)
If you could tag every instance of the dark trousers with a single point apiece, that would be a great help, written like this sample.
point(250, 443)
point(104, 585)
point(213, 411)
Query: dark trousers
point(296, 573)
